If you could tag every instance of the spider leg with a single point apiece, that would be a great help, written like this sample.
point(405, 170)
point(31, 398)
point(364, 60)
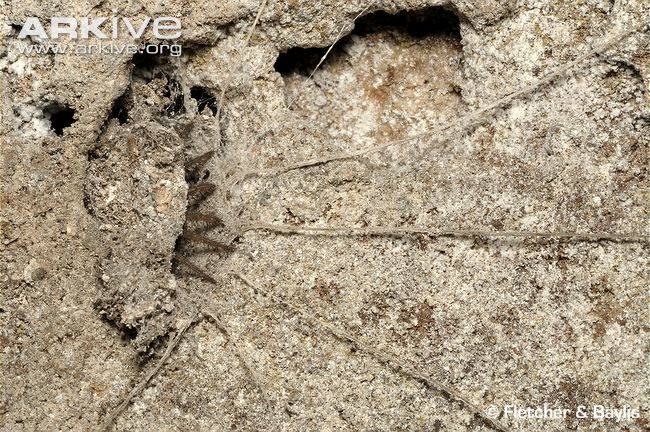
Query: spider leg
point(196, 269)
point(195, 164)
point(208, 219)
point(202, 189)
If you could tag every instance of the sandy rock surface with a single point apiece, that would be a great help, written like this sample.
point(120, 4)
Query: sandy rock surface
point(159, 268)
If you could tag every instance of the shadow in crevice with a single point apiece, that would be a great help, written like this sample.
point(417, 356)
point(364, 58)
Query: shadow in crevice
point(121, 107)
point(61, 116)
point(204, 99)
point(430, 22)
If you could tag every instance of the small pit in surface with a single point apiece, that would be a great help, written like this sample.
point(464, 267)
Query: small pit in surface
point(61, 116)
point(121, 107)
point(204, 99)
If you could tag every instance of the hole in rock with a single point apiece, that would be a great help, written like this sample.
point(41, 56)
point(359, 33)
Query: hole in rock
point(394, 75)
point(204, 99)
point(60, 115)
point(420, 24)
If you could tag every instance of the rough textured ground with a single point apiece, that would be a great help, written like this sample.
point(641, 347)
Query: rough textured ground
point(336, 332)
